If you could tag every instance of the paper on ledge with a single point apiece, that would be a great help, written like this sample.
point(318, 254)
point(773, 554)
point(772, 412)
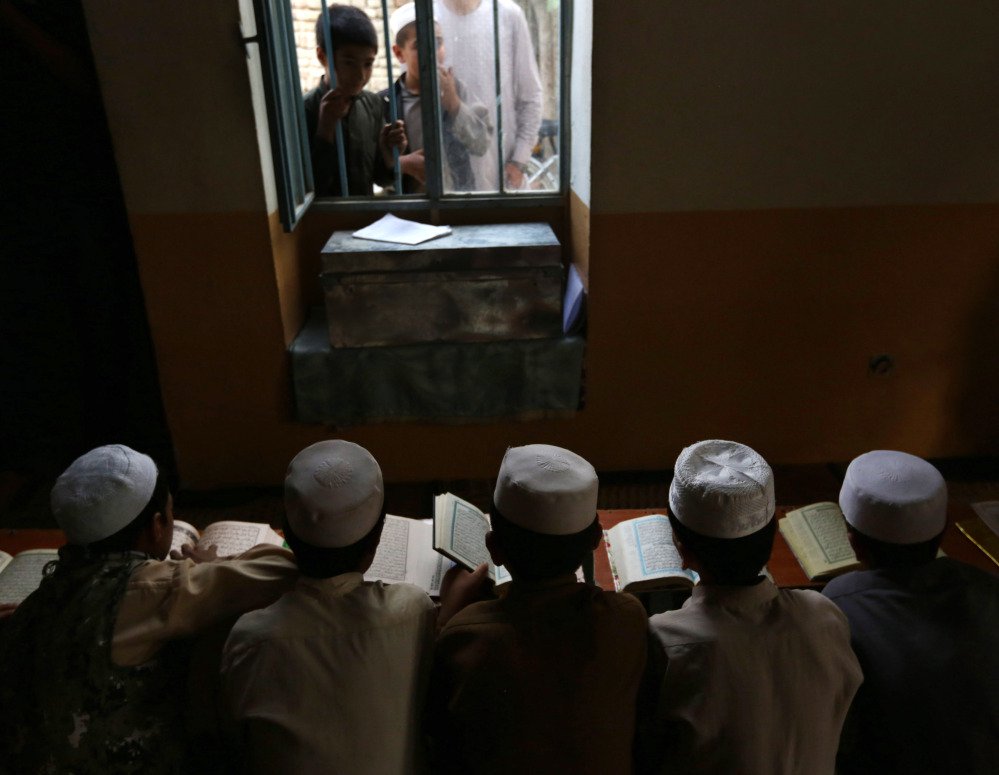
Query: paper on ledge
point(388, 228)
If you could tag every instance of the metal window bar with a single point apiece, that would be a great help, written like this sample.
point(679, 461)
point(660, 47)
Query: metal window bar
point(331, 75)
point(393, 109)
point(501, 180)
point(430, 107)
point(285, 112)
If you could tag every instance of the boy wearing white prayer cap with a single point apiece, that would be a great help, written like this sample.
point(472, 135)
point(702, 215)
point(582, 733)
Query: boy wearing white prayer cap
point(465, 127)
point(544, 679)
point(751, 678)
point(926, 630)
point(332, 677)
point(94, 663)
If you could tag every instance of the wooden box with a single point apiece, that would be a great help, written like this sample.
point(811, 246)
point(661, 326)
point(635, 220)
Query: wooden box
point(480, 283)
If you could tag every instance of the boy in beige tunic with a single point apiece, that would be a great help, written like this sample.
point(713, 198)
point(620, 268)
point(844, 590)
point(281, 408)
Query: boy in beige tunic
point(332, 677)
point(544, 679)
point(752, 679)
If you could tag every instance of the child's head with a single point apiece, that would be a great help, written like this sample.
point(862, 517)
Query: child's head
point(114, 499)
point(355, 46)
point(721, 504)
point(333, 508)
point(402, 23)
point(544, 513)
point(895, 506)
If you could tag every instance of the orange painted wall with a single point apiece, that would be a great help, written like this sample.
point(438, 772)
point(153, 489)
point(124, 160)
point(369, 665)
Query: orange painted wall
point(759, 326)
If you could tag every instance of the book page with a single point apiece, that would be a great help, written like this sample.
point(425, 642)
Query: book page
point(5, 560)
point(183, 533)
point(817, 537)
point(232, 537)
point(393, 549)
point(405, 553)
point(460, 534)
point(460, 531)
point(23, 574)
point(641, 550)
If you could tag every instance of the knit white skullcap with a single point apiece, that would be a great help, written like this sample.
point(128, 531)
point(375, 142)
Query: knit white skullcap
point(722, 489)
point(401, 16)
point(101, 492)
point(894, 497)
point(333, 493)
point(546, 489)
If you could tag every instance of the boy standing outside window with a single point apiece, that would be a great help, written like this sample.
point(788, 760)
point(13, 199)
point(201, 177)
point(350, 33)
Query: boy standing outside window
point(332, 677)
point(546, 678)
point(752, 679)
point(368, 140)
point(465, 129)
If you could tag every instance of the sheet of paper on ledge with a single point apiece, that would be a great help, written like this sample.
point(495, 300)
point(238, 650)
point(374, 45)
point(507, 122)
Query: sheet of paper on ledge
point(388, 228)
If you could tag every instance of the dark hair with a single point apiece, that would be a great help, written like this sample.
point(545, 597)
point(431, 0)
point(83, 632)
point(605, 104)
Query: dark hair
point(729, 560)
point(535, 556)
point(405, 32)
point(319, 562)
point(124, 540)
point(881, 554)
point(348, 25)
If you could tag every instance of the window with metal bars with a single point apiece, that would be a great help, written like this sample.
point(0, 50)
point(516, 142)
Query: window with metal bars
point(480, 85)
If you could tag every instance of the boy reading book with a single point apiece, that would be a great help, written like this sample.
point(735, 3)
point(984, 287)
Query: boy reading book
point(331, 678)
point(925, 629)
point(545, 678)
point(93, 663)
point(751, 679)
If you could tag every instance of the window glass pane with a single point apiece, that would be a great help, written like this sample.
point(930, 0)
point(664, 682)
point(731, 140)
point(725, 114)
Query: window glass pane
point(527, 61)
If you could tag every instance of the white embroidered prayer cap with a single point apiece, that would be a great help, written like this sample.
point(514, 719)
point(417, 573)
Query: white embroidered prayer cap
point(101, 492)
point(333, 493)
point(546, 489)
point(401, 16)
point(894, 497)
point(722, 489)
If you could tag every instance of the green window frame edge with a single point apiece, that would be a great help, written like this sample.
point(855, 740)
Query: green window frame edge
point(290, 143)
point(285, 111)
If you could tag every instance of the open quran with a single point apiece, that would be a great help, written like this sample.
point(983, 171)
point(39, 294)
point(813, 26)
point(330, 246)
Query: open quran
point(643, 557)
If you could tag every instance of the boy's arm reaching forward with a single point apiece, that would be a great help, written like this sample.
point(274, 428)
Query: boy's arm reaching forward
point(470, 123)
point(392, 136)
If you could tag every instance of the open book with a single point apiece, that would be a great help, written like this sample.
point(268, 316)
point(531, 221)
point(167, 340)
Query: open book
point(21, 574)
point(230, 537)
point(405, 553)
point(817, 537)
point(460, 533)
point(642, 556)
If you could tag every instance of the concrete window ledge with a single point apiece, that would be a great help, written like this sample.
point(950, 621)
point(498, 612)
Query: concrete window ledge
point(438, 381)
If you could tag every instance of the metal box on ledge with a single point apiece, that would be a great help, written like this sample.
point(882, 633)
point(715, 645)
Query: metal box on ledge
point(478, 284)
